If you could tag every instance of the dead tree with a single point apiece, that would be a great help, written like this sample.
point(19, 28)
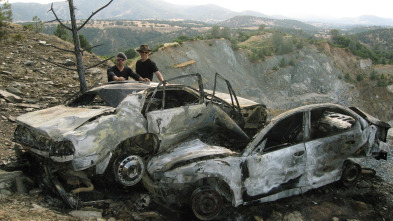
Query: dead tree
point(77, 49)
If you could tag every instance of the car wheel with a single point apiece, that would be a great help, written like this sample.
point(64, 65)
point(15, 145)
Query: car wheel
point(206, 203)
point(351, 173)
point(128, 169)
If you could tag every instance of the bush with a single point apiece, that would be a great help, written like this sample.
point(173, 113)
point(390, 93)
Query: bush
point(373, 75)
point(283, 63)
point(275, 68)
point(359, 77)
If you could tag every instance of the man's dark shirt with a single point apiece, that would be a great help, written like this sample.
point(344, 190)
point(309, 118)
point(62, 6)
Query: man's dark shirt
point(127, 72)
point(146, 69)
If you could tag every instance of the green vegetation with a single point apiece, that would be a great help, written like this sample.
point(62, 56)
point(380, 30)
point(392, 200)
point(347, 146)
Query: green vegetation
point(62, 33)
point(5, 17)
point(353, 44)
point(37, 24)
point(84, 43)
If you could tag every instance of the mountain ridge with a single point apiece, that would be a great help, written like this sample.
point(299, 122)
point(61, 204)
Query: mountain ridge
point(159, 9)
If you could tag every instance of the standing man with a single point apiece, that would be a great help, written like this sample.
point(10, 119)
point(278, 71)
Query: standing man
point(145, 67)
point(119, 72)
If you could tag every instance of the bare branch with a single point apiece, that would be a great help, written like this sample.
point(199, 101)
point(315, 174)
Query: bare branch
point(61, 49)
point(99, 63)
point(88, 19)
point(49, 21)
point(57, 18)
point(85, 49)
point(60, 65)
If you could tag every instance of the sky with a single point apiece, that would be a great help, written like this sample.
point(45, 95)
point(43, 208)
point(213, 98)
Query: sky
point(292, 8)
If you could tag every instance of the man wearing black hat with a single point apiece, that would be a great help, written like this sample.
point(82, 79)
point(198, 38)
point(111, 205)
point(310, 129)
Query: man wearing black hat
point(120, 72)
point(145, 67)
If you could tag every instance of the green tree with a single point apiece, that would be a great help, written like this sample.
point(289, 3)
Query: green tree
point(226, 33)
point(261, 27)
point(5, 16)
point(130, 53)
point(37, 24)
point(334, 33)
point(84, 43)
point(215, 32)
point(62, 33)
point(277, 41)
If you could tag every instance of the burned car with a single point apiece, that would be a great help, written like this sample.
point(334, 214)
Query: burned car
point(301, 149)
point(111, 130)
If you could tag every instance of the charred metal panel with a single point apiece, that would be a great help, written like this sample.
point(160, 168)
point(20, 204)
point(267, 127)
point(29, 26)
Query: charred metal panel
point(270, 170)
point(55, 121)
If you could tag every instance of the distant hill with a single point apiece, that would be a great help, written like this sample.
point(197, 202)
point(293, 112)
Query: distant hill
point(159, 9)
point(126, 9)
point(381, 39)
point(247, 21)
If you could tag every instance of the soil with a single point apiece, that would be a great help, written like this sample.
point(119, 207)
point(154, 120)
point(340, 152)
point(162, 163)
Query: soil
point(25, 64)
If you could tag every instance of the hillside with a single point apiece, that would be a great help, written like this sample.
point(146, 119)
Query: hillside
point(36, 84)
point(381, 39)
point(318, 73)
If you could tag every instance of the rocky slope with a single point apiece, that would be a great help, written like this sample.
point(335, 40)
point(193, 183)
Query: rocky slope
point(28, 82)
point(317, 75)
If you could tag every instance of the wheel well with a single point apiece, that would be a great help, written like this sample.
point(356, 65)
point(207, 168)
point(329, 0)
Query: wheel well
point(220, 186)
point(143, 145)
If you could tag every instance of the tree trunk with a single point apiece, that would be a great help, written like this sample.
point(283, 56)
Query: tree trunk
point(78, 51)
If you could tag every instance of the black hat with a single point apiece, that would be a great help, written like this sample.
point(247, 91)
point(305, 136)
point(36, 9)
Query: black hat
point(122, 55)
point(143, 48)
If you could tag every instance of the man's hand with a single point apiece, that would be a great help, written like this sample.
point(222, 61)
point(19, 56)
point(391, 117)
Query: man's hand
point(116, 78)
point(144, 79)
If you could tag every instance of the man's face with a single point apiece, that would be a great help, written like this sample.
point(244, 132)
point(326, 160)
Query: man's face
point(144, 54)
point(120, 61)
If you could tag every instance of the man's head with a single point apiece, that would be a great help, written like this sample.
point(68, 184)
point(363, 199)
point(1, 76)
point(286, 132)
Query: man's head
point(144, 52)
point(120, 58)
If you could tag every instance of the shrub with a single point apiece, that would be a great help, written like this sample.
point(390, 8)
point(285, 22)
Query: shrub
point(359, 77)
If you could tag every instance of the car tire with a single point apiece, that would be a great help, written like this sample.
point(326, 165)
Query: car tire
point(351, 173)
point(128, 169)
point(206, 203)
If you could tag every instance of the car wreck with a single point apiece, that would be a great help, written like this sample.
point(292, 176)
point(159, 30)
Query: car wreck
point(301, 149)
point(108, 133)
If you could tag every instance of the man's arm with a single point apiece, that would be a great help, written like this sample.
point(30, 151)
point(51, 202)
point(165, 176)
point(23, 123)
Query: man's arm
point(159, 75)
point(136, 76)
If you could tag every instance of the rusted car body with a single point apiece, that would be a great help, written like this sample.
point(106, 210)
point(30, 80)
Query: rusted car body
point(113, 129)
point(299, 150)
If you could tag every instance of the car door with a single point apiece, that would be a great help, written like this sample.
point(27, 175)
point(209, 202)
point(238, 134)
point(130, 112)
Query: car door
point(334, 135)
point(282, 162)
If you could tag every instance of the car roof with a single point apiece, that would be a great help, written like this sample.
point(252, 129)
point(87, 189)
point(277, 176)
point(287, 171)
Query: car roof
point(125, 85)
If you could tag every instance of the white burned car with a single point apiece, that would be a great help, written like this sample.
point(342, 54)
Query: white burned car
point(299, 150)
point(109, 132)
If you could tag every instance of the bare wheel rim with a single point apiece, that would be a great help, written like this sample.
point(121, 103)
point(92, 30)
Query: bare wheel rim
point(206, 203)
point(351, 174)
point(129, 171)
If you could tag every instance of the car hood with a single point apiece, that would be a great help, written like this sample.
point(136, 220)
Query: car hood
point(55, 121)
point(186, 151)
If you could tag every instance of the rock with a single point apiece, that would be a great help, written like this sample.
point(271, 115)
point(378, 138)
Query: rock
point(9, 176)
point(30, 101)
point(30, 63)
point(5, 192)
point(10, 97)
point(85, 214)
point(295, 216)
point(389, 138)
point(6, 72)
point(69, 62)
point(14, 91)
point(42, 42)
point(359, 205)
point(33, 106)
